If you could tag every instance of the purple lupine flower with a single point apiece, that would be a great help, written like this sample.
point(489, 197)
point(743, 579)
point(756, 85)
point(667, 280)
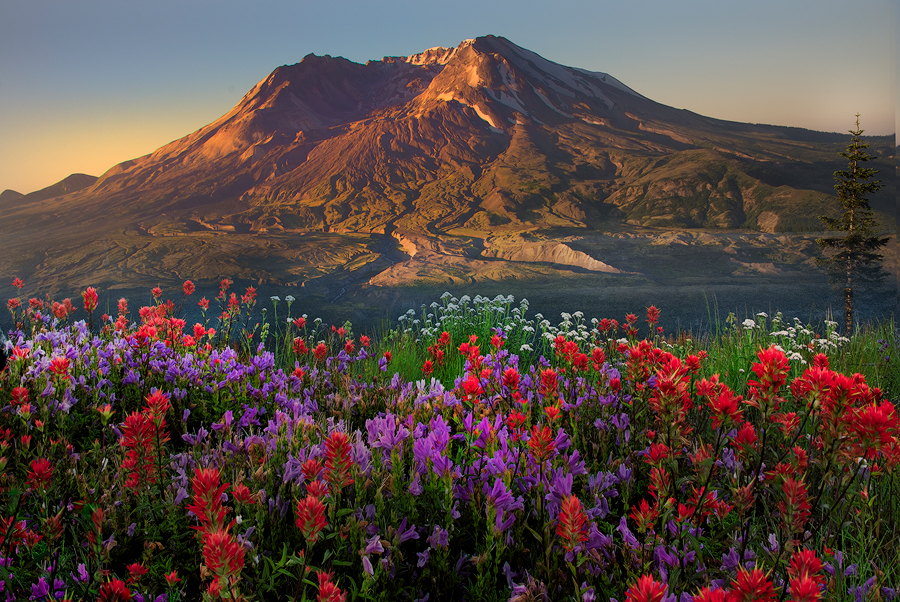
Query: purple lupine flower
point(839, 560)
point(442, 465)
point(439, 537)
point(859, 592)
point(415, 487)
point(181, 495)
point(560, 488)
point(367, 565)
point(772, 547)
point(630, 540)
point(500, 497)
point(503, 522)
point(423, 558)
point(40, 590)
point(576, 464)
point(405, 534)
point(373, 546)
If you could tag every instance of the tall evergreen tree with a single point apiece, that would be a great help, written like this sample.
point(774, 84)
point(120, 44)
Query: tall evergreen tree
point(853, 256)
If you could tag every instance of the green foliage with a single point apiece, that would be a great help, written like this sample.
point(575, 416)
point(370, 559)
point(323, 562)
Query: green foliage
point(854, 255)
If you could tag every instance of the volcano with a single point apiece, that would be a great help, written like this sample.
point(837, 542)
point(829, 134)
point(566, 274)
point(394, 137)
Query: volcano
point(480, 162)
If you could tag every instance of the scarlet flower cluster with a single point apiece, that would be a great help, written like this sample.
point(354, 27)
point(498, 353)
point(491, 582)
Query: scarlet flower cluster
point(541, 444)
point(572, 526)
point(222, 553)
point(40, 475)
point(90, 299)
point(311, 518)
point(338, 461)
point(142, 434)
point(570, 353)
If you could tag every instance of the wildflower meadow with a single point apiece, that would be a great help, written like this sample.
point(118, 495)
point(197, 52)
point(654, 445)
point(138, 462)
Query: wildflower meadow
point(472, 451)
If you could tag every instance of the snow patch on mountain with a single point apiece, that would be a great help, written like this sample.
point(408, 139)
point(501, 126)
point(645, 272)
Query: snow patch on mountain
point(448, 97)
point(569, 77)
point(505, 99)
point(609, 80)
point(549, 103)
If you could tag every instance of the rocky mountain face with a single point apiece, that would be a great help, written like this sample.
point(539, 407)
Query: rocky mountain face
point(453, 159)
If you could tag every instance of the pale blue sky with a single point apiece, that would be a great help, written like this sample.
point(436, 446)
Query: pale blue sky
point(89, 83)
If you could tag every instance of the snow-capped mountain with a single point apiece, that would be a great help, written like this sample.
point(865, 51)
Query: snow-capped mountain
point(444, 150)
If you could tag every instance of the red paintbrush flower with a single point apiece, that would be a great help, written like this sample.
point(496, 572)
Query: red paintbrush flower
point(805, 589)
point(644, 515)
point(552, 413)
point(806, 565)
point(795, 507)
point(549, 382)
point(136, 571)
point(328, 591)
point(646, 590)
point(138, 438)
point(222, 554)
point(724, 408)
point(745, 439)
point(60, 366)
point(771, 374)
point(40, 475)
point(19, 396)
point(514, 421)
point(598, 357)
point(472, 387)
point(114, 591)
point(541, 444)
point(156, 408)
point(317, 489)
point(311, 518)
point(711, 595)
point(656, 454)
point(752, 586)
point(90, 299)
point(511, 379)
point(338, 461)
point(242, 494)
point(311, 469)
point(572, 526)
point(188, 288)
point(207, 506)
point(14, 531)
point(875, 426)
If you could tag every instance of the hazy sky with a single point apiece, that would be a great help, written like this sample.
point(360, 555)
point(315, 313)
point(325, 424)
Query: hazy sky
point(86, 84)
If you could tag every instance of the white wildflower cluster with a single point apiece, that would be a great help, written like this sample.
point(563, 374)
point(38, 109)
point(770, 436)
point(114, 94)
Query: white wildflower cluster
point(468, 315)
point(800, 342)
point(572, 327)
